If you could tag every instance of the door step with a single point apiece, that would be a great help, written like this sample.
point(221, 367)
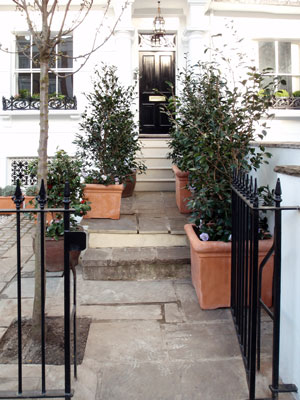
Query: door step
point(136, 263)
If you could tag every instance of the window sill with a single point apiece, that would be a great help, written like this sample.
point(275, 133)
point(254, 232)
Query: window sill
point(8, 115)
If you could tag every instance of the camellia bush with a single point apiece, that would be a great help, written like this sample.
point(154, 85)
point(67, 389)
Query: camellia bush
point(108, 142)
point(214, 121)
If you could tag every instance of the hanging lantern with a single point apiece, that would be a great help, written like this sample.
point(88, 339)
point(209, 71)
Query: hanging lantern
point(158, 28)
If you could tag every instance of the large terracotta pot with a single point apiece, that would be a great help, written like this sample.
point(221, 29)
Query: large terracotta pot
point(7, 203)
point(105, 200)
point(211, 270)
point(182, 193)
point(129, 185)
point(27, 201)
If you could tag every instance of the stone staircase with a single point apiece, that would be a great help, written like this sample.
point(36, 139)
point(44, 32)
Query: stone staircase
point(147, 242)
point(159, 175)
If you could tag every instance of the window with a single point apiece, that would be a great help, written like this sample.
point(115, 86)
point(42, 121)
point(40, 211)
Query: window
point(284, 58)
point(28, 67)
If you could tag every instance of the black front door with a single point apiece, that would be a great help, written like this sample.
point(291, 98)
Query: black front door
point(155, 69)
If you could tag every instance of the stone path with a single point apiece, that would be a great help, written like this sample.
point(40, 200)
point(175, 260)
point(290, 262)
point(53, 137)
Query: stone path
point(149, 340)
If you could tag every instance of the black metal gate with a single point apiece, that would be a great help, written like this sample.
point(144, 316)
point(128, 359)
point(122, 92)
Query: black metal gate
point(72, 241)
point(246, 279)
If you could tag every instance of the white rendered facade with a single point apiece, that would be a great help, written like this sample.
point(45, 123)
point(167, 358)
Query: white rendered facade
point(194, 22)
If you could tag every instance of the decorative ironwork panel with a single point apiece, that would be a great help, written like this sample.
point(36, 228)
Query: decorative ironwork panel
point(166, 41)
point(55, 103)
point(287, 102)
point(19, 170)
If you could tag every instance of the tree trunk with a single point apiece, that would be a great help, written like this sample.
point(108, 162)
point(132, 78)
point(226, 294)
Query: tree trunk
point(41, 174)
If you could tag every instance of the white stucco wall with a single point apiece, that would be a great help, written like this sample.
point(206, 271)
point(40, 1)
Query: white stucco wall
point(290, 293)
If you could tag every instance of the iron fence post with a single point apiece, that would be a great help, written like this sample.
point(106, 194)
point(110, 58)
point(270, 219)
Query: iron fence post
point(67, 301)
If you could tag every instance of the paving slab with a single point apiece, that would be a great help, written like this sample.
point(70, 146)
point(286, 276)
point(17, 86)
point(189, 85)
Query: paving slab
point(203, 341)
point(174, 381)
point(116, 312)
point(190, 306)
point(152, 224)
point(28, 288)
point(112, 292)
point(146, 197)
point(176, 225)
point(173, 313)
point(126, 224)
point(8, 310)
point(132, 341)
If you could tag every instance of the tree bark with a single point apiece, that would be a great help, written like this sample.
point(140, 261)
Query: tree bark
point(41, 174)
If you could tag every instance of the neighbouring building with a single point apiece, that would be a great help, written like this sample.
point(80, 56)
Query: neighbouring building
point(270, 29)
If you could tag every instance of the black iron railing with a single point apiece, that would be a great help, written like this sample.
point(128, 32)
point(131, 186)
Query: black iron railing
point(54, 103)
point(246, 279)
point(72, 241)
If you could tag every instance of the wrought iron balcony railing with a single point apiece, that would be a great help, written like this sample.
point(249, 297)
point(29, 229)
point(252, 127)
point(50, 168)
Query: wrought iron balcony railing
point(287, 102)
point(54, 103)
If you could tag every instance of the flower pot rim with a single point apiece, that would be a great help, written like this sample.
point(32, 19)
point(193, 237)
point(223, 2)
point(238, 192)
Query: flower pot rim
point(97, 186)
point(216, 246)
point(179, 173)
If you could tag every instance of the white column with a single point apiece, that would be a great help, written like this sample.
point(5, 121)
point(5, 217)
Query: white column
point(124, 35)
point(197, 27)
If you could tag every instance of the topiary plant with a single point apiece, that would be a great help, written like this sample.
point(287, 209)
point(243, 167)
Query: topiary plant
point(109, 141)
point(214, 121)
point(8, 190)
point(296, 93)
point(282, 93)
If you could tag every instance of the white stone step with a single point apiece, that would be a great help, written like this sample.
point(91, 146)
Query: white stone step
point(155, 185)
point(157, 173)
point(151, 162)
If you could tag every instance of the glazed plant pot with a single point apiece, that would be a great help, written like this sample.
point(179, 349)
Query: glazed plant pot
point(129, 185)
point(105, 200)
point(7, 203)
point(211, 270)
point(182, 193)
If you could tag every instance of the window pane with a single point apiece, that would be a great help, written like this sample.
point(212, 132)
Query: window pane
point(24, 82)
point(52, 84)
point(36, 84)
point(65, 86)
point(23, 49)
point(266, 55)
point(65, 49)
point(35, 57)
point(284, 57)
point(288, 85)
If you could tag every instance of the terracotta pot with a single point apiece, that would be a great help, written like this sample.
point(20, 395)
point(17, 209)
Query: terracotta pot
point(27, 200)
point(211, 270)
point(7, 203)
point(105, 200)
point(129, 185)
point(182, 193)
point(55, 254)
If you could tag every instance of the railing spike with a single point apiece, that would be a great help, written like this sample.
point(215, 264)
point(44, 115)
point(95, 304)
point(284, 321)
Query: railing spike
point(67, 189)
point(278, 192)
point(18, 198)
point(42, 196)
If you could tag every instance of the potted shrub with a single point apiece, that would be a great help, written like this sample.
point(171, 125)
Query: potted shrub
point(30, 194)
point(229, 116)
point(181, 110)
point(62, 168)
point(6, 194)
point(108, 143)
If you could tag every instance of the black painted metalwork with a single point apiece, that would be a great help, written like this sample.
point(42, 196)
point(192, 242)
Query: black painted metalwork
point(246, 278)
point(73, 240)
point(54, 103)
